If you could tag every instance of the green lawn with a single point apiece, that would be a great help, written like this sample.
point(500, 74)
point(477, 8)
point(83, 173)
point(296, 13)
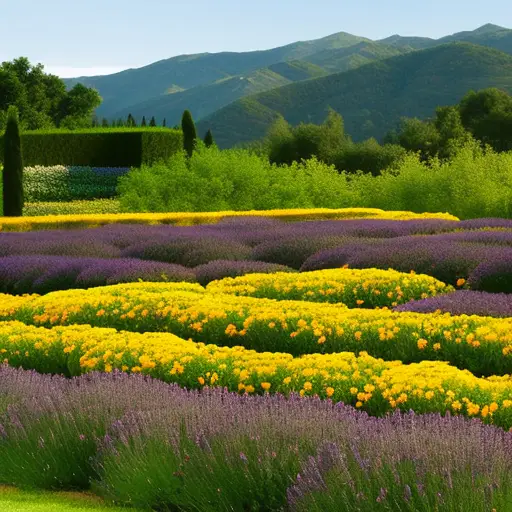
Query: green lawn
point(15, 500)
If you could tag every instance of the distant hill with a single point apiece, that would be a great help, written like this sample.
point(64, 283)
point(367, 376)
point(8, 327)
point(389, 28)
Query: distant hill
point(205, 99)
point(205, 83)
point(371, 98)
point(489, 35)
point(127, 88)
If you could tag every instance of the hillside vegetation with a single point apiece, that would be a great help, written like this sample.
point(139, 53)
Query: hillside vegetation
point(372, 98)
point(127, 88)
point(206, 99)
point(204, 83)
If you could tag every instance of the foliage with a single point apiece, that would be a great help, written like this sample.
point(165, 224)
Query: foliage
point(12, 175)
point(42, 99)
point(266, 325)
point(475, 182)
point(189, 132)
point(285, 144)
point(150, 444)
point(98, 147)
point(98, 206)
point(371, 98)
point(487, 115)
point(370, 384)
point(214, 180)
point(368, 288)
point(208, 139)
point(369, 157)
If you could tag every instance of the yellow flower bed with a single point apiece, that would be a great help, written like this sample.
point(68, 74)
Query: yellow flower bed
point(370, 384)
point(482, 345)
point(190, 218)
point(367, 288)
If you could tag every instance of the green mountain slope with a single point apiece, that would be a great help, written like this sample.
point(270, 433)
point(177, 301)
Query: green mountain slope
point(127, 88)
point(489, 35)
point(205, 99)
point(371, 98)
point(343, 59)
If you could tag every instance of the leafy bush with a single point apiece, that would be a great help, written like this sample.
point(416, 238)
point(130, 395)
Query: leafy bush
point(97, 206)
point(476, 182)
point(214, 180)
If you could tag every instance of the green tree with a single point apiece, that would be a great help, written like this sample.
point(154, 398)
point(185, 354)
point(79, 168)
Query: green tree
point(419, 136)
point(369, 157)
point(143, 124)
point(130, 121)
point(78, 106)
point(152, 123)
point(13, 166)
point(189, 132)
point(104, 123)
point(208, 139)
point(487, 115)
point(452, 134)
point(164, 124)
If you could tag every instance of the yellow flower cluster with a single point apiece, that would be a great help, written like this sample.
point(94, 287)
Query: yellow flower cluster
point(366, 288)
point(371, 384)
point(189, 218)
point(482, 345)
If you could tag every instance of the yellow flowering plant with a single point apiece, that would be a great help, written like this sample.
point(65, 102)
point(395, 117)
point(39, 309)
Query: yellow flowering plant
point(368, 383)
point(27, 223)
point(364, 288)
point(482, 345)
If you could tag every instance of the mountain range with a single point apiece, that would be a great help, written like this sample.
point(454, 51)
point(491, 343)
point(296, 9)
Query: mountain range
point(371, 83)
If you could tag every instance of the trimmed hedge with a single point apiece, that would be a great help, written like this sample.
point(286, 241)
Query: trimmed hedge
point(123, 147)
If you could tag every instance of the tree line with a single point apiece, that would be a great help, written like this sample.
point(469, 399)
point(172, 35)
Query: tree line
point(484, 116)
point(42, 99)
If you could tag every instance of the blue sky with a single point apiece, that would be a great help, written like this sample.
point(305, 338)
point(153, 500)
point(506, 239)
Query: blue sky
point(101, 36)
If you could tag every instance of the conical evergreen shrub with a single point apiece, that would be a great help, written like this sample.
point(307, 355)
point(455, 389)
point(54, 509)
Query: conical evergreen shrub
point(12, 175)
point(189, 132)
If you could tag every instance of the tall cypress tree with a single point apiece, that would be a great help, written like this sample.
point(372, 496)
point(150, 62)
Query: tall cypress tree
point(13, 166)
point(152, 123)
point(189, 132)
point(143, 124)
point(208, 139)
point(164, 124)
point(130, 122)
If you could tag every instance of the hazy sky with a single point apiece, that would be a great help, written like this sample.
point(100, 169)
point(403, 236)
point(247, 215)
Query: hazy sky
point(75, 37)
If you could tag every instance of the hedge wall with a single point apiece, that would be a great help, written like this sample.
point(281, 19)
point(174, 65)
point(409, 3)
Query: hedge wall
point(122, 147)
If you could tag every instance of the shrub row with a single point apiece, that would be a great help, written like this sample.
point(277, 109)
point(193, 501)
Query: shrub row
point(83, 207)
point(99, 147)
point(463, 302)
point(480, 344)
point(368, 288)
point(144, 443)
point(44, 274)
point(191, 218)
point(371, 384)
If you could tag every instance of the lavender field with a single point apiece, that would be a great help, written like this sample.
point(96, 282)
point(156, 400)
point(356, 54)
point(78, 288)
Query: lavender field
point(478, 251)
point(298, 436)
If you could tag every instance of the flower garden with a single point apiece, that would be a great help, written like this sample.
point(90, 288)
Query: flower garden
point(314, 360)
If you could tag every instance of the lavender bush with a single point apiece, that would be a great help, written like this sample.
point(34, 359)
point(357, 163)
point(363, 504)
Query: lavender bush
point(149, 444)
point(428, 246)
point(463, 302)
point(190, 251)
point(493, 274)
point(218, 269)
point(43, 274)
